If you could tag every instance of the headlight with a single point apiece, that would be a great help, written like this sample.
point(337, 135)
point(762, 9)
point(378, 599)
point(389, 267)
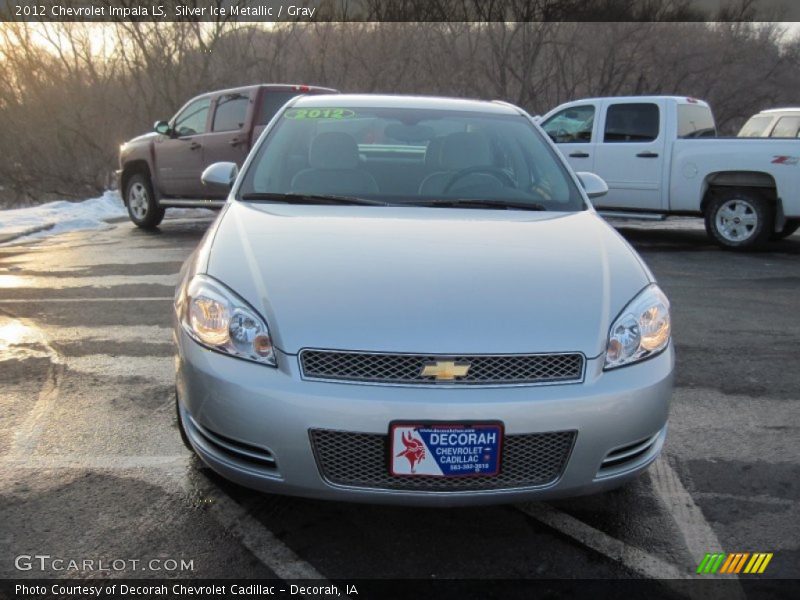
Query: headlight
point(217, 318)
point(641, 330)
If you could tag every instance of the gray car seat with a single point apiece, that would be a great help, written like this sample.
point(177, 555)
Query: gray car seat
point(334, 168)
point(459, 151)
point(433, 154)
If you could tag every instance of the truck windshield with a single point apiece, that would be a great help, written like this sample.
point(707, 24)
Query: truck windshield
point(410, 156)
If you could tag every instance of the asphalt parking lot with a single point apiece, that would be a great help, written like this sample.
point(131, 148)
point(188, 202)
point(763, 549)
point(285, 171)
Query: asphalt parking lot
point(91, 465)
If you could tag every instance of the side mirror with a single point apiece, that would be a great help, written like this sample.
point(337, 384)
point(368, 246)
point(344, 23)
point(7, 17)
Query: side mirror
point(220, 176)
point(162, 127)
point(592, 184)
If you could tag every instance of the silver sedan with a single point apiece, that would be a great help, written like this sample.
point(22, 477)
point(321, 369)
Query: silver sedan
point(411, 300)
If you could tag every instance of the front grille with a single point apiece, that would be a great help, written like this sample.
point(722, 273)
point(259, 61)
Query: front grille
point(362, 460)
point(497, 369)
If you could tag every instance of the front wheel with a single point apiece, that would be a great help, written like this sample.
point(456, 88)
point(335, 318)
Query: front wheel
point(143, 209)
point(739, 219)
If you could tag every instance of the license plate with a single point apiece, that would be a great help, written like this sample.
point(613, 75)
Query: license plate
point(445, 449)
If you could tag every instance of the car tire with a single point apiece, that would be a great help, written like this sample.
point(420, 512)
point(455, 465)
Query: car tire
point(181, 428)
point(143, 208)
point(789, 228)
point(739, 219)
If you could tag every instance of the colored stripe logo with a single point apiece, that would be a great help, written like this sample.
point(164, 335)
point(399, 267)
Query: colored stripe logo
point(734, 563)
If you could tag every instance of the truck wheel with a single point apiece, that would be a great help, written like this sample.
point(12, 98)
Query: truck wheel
point(739, 219)
point(143, 209)
point(789, 228)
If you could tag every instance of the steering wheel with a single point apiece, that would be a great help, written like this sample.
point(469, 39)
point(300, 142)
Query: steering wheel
point(500, 175)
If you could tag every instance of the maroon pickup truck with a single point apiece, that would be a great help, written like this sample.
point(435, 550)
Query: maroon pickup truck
point(162, 168)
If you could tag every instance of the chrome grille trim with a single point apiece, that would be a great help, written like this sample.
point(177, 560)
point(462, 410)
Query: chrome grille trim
point(627, 454)
point(361, 460)
point(405, 369)
point(235, 449)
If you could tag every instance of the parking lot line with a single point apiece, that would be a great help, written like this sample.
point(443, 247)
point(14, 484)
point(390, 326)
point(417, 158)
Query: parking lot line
point(252, 534)
point(635, 559)
point(107, 299)
point(697, 533)
point(28, 432)
point(259, 540)
point(61, 282)
point(273, 553)
point(94, 462)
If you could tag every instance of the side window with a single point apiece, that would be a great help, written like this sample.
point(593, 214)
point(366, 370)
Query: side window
point(231, 112)
point(571, 125)
point(786, 127)
point(192, 119)
point(631, 123)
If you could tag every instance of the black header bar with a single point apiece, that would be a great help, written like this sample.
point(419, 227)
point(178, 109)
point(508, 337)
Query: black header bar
point(399, 10)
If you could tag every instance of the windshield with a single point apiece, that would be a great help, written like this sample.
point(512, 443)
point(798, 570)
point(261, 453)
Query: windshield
point(410, 156)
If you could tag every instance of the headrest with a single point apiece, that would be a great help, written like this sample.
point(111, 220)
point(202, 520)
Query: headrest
point(433, 153)
point(464, 150)
point(616, 121)
point(333, 150)
point(646, 123)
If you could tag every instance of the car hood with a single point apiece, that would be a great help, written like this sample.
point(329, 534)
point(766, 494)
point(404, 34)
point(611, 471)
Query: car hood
point(142, 139)
point(427, 280)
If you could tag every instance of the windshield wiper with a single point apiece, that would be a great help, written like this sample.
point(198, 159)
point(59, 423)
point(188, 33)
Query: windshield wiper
point(311, 199)
point(478, 203)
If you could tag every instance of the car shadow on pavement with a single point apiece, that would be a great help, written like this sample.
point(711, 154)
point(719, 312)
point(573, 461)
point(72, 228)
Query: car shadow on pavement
point(347, 540)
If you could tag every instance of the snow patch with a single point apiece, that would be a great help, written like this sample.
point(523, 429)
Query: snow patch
point(62, 216)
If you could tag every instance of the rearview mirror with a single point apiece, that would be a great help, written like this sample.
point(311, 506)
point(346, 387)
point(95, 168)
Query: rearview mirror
point(162, 127)
point(220, 176)
point(592, 184)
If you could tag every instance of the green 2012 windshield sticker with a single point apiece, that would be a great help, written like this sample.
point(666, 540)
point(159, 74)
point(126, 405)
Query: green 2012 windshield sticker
point(319, 113)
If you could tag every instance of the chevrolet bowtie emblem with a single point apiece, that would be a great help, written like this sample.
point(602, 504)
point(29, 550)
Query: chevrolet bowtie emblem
point(445, 370)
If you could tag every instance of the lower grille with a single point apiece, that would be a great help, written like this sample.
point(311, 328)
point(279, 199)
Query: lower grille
point(362, 460)
point(409, 369)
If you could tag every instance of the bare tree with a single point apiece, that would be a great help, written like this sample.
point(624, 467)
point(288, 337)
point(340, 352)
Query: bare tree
point(70, 93)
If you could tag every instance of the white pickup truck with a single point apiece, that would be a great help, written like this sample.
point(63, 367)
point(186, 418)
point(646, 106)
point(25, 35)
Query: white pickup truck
point(659, 156)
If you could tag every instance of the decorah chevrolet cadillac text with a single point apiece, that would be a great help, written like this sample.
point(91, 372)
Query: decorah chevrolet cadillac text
point(411, 300)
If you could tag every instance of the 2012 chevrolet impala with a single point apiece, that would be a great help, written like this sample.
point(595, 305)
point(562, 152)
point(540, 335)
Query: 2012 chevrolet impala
point(411, 300)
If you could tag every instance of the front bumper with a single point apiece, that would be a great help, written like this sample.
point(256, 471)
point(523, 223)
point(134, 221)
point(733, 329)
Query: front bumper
point(227, 402)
